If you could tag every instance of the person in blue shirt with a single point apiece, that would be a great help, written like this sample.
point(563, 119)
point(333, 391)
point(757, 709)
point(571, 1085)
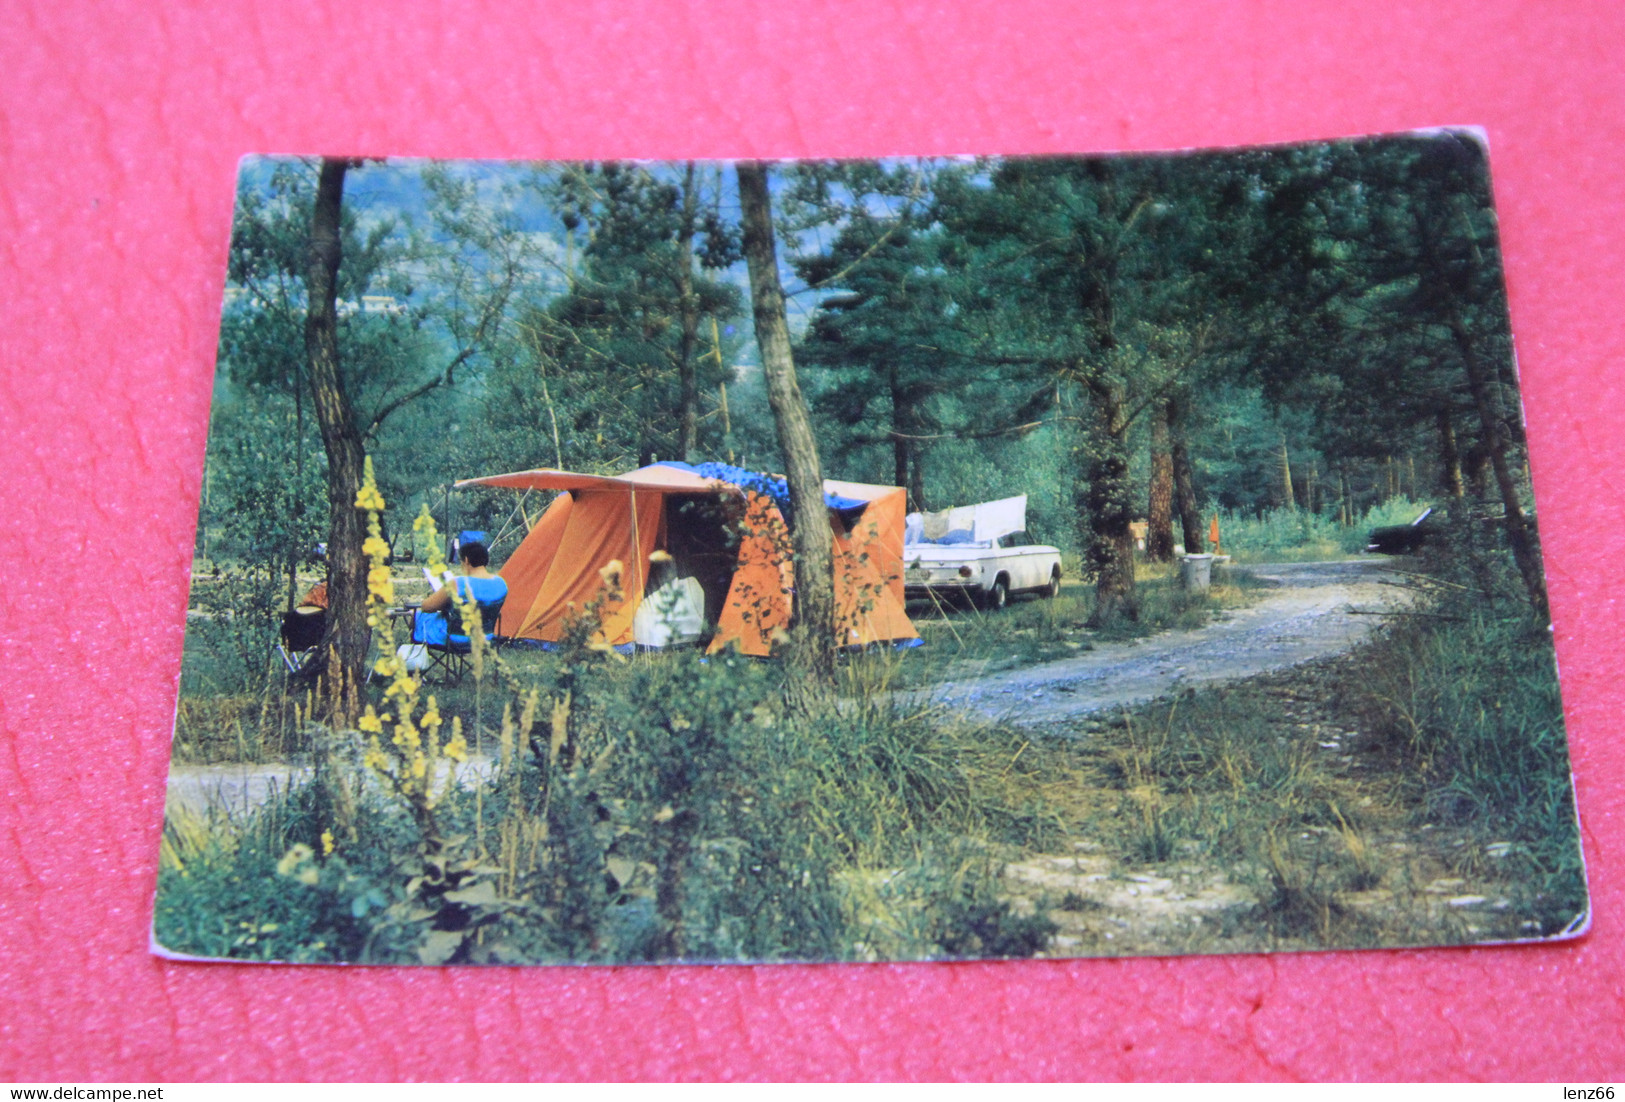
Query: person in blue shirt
point(432, 624)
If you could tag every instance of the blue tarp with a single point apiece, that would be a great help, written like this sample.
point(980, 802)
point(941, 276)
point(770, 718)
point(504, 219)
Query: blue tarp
point(543, 644)
point(849, 508)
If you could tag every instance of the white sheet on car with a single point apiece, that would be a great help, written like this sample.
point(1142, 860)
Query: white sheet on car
point(986, 521)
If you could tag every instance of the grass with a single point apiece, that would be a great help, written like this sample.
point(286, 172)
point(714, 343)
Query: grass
point(1298, 535)
point(1366, 800)
point(656, 809)
point(1412, 792)
point(1350, 803)
point(263, 718)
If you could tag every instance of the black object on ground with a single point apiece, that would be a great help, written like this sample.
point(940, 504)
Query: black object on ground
point(1401, 539)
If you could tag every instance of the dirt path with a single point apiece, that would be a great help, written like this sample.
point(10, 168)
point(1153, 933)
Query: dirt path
point(1311, 611)
point(233, 789)
point(237, 789)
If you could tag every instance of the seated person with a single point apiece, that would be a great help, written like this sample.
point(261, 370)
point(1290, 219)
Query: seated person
point(432, 624)
point(673, 608)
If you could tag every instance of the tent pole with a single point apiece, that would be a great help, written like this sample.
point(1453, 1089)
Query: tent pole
point(637, 548)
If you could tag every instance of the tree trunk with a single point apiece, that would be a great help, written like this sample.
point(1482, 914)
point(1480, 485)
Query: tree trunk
point(1520, 533)
point(1109, 505)
point(916, 481)
point(1159, 535)
point(900, 443)
point(689, 315)
point(906, 448)
point(1288, 498)
point(812, 649)
point(297, 549)
point(1190, 517)
point(1450, 477)
point(346, 528)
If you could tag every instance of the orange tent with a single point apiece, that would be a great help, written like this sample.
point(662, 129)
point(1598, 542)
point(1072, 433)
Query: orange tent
point(733, 540)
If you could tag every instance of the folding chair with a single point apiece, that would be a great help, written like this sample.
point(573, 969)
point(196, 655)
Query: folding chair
point(300, 646)
point(450, 658)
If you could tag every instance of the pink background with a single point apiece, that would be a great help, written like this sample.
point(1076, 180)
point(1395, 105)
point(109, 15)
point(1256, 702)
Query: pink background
point(120, 128)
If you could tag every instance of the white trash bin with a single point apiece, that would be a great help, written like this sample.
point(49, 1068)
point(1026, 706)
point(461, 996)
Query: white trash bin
point(1196, 573)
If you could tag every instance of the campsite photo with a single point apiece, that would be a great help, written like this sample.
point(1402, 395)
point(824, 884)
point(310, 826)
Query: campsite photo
point(915, 559)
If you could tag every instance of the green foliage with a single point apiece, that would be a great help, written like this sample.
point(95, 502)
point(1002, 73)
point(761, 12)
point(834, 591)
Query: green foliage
point(1298, 535)
point(653, 809)
point(1468, 690)
point(254, 888)
point(976, 922)
point(597, 381)
point(231, 633)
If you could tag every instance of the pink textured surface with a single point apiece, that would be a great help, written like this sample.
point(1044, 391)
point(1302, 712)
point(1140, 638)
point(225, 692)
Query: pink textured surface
point(120, 128)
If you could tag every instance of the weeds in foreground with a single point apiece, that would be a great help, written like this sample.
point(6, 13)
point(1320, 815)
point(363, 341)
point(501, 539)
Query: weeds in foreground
point(675, 809)
point(637, 810)
point(1360, 800)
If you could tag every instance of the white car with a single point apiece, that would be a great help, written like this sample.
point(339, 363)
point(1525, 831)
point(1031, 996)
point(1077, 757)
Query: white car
point(980, 551)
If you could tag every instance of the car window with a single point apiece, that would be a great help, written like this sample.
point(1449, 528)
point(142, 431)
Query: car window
point(1015, 539)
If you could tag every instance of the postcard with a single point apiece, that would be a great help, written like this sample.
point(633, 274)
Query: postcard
point(916, 559)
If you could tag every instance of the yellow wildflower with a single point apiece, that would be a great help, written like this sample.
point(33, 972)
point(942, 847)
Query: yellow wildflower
point(375, 758)
point(406, 736)
point(370, 722)
point(381, 584)
point(457, 748)
point(296, 864)
point(327, 843)
point(368, 496)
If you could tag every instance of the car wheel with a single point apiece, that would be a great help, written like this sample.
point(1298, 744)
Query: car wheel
point(998, 596)
point(1054, 587)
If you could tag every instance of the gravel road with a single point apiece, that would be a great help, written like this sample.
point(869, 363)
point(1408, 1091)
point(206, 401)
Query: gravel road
point(1312, 610)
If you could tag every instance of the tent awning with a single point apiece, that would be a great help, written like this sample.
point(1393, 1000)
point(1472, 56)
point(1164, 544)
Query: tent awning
point(665, 479)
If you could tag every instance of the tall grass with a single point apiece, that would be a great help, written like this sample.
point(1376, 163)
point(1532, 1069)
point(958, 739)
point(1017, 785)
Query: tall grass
point(1298, 535)
point(1467, 691)
point(1437, 749)
point(645, 810)
point(673, 808)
